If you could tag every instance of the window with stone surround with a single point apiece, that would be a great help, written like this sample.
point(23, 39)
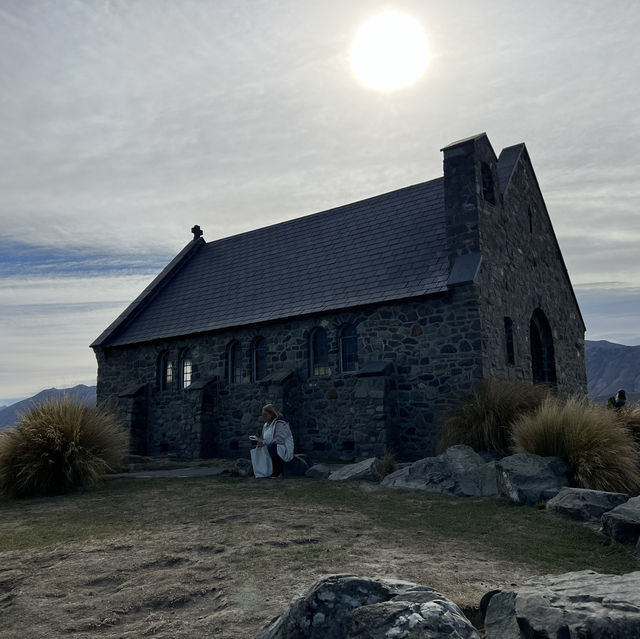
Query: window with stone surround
point(258, 359)
point(319, 353)
point(348, 348)
point(233, 363)
point(165, 372)
point(186, 368)
point(508, 334)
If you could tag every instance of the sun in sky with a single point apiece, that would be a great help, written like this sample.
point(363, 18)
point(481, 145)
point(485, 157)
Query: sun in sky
point(389, 51)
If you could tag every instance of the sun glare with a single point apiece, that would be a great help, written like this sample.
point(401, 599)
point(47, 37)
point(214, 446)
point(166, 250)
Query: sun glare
point(389, 51)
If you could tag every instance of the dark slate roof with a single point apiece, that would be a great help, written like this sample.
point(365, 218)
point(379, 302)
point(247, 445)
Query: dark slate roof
point(506, 164)
point(388, 247)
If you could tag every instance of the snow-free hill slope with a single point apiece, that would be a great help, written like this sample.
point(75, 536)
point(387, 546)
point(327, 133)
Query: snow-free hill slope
point(9, 414)
point(611, 367)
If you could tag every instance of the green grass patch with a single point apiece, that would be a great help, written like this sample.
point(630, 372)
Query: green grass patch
point(490, 525)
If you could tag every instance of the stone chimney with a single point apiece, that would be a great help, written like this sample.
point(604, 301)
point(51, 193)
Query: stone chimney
point(470, 191)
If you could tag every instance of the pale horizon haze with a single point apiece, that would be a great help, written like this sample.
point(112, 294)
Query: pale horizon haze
point(125, 122)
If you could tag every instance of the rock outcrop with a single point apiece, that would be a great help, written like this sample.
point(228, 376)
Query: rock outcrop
point(350, 607)
point(583, 504)
point(527, 478)
point(322, 471)
point(458, 471)
point(622, 523)
point(578, 604)
point(366, 470)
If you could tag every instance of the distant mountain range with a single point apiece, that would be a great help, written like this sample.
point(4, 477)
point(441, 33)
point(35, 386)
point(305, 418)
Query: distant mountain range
point(610, 367)
point(9, 414)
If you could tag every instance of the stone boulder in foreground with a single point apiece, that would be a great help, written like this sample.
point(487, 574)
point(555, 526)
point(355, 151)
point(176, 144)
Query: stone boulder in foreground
point(350, 607)
point(584, 605)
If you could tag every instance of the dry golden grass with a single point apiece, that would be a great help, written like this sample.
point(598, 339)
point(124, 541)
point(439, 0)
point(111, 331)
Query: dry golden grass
point(57, 446)
point(631, 418)
point(594, 442)
point(484, 417)
point(220, 556)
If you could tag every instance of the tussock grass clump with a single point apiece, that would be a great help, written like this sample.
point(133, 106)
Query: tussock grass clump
point(592, 440)
point(631, 418)
point(57, 446)
point(483, 418)
point(389, 462)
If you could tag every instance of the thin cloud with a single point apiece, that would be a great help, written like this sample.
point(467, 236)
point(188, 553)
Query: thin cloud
point(125, 123)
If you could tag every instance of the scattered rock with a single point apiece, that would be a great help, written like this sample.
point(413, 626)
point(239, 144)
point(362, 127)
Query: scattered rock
point(366, 470)
point(622, 523)
point(322, 471)
point(458, 471)
point(527, 478)
point(583, 504)
point(242, 468)
point(577, 604)
point(350, 607)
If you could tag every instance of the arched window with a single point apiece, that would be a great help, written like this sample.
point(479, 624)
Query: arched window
point(319, 353)
point(165, 372)
point(186, 367)
point(234, 363)
point(508, 335)
point(258, 359)
point(348, 348)
point(543, 362)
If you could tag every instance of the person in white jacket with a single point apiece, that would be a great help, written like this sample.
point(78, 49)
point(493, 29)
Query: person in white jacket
point(277, 437)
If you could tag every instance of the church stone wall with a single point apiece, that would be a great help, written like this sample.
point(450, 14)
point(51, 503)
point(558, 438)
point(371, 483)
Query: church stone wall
point(523, 271)
point(432, 345)
point(521, 267)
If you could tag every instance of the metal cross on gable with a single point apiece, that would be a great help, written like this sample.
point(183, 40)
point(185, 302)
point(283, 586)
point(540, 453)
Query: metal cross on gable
point(197, 232)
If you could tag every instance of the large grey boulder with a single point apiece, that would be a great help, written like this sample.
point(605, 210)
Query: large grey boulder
point(366, 470)
point(350, 607)
point(527, 478)
point(580, 605)
point(322, 471)
point(584, 504)
point(458, 471)
point(623, 522)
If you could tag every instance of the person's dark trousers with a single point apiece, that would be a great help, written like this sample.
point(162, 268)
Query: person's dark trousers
point(278, 463)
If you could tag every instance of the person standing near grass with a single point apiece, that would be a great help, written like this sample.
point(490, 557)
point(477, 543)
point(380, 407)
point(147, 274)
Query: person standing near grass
point(618, 401)
point(621, 400)
point(277, 437)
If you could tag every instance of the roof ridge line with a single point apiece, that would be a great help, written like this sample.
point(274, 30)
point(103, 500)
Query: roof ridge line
point(334, 208)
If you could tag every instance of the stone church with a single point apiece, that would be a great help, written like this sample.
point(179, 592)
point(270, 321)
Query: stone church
point(364, 323)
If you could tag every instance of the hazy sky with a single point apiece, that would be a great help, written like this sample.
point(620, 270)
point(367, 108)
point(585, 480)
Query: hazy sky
point(125, 122)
